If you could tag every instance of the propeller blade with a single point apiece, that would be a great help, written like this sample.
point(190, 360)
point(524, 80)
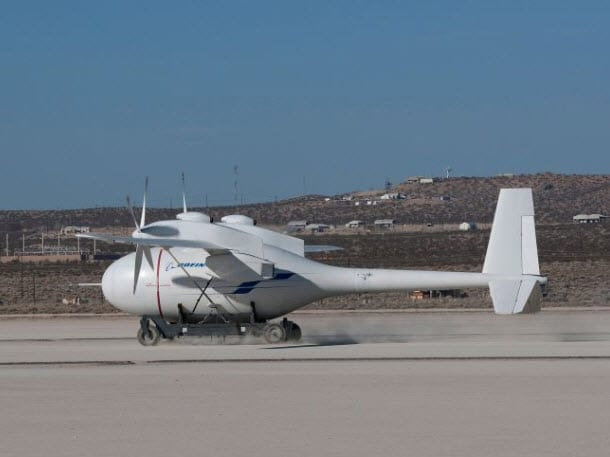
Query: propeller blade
point(148, 257)
point(138, 265)
point(133, 215)
point(143, 218)
point(183, 195)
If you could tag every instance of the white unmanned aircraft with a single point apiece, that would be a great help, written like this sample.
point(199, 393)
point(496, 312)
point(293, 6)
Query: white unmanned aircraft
point(203, 277)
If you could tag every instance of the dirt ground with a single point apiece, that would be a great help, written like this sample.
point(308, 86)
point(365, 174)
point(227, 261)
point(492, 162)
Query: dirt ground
point(576, 258)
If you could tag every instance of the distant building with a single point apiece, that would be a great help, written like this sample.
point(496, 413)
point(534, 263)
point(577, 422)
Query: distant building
point(468, 226)
point(589, 218)
point(296, 226)
point(426, 180)
point(506, 175)
point(427, 294)
point(393, 196)
point(383, 224)
point(317, 228)
point(354, 224)
point(74, 229)
point(413, 179)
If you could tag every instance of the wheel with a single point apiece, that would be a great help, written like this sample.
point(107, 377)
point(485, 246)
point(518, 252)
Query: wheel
point(294, 334)
point(274, 333)
point(149, 338)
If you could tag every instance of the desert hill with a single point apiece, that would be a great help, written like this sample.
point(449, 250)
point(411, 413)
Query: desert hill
point(557, 199)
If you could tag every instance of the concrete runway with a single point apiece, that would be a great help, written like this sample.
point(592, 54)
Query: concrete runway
point(424, 384)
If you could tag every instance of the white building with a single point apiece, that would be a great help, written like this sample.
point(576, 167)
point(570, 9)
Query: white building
point(296, 226)
point(384, 223)
point(317, 228)
point(74, 229)
point(413, 179)
point(589, 218)
point(393, 196)
point(354, 224)
point(468, 226)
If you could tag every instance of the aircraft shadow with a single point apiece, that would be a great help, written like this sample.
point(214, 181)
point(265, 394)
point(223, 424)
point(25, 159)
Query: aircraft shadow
point(337, 342)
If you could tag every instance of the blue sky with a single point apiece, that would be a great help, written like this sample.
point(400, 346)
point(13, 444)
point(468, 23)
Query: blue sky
point(315, 96)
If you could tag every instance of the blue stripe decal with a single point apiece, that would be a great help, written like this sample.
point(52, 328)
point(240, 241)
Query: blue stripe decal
point(243, 290)
point(281, 276)
point(249, 286)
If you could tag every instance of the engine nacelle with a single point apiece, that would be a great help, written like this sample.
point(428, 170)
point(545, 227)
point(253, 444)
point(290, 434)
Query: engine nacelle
point(193, 216)
point(238, 219)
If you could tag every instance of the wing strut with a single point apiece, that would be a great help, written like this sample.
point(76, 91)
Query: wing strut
point(202, 290)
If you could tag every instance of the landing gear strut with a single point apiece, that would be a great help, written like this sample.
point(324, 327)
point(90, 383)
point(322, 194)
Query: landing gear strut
point(153, 328)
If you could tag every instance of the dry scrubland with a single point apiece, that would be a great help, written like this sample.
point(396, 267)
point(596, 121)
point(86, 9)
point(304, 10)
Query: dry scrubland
point(575, 257)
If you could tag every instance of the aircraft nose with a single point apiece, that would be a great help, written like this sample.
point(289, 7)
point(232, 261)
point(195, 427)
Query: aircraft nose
point(117, 283)
point(117, 286)
point(108, 284)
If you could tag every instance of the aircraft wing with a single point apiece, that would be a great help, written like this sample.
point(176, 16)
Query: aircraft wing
point(212, 248)
point(240, 268)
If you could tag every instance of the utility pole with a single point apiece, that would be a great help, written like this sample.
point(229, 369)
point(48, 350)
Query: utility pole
point(7, 249)
point(235, 184)
point(21, 275)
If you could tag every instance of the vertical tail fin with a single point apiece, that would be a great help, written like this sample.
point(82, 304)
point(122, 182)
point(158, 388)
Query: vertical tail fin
point(512, 252)
point(512, 244)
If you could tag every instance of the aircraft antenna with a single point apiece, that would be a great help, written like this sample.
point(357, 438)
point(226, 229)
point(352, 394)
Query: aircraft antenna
point(183, 195)
point(235, 183)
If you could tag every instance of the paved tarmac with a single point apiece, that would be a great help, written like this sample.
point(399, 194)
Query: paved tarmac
point(422, 384)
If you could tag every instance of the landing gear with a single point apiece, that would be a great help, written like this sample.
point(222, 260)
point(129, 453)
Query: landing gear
point(274, 333)
point(294, 334)
point(153, 328)
point(284, 331)
point(149, 336)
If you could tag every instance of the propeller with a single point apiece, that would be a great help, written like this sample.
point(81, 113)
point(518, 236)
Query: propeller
point(141, 250)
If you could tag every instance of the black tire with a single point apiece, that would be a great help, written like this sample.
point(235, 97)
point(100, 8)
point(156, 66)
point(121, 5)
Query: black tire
point(274, 333)
point(294, 334)
point(151, 338)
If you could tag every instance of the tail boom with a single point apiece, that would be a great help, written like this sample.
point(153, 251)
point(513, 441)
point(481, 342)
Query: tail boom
point(510, 270)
